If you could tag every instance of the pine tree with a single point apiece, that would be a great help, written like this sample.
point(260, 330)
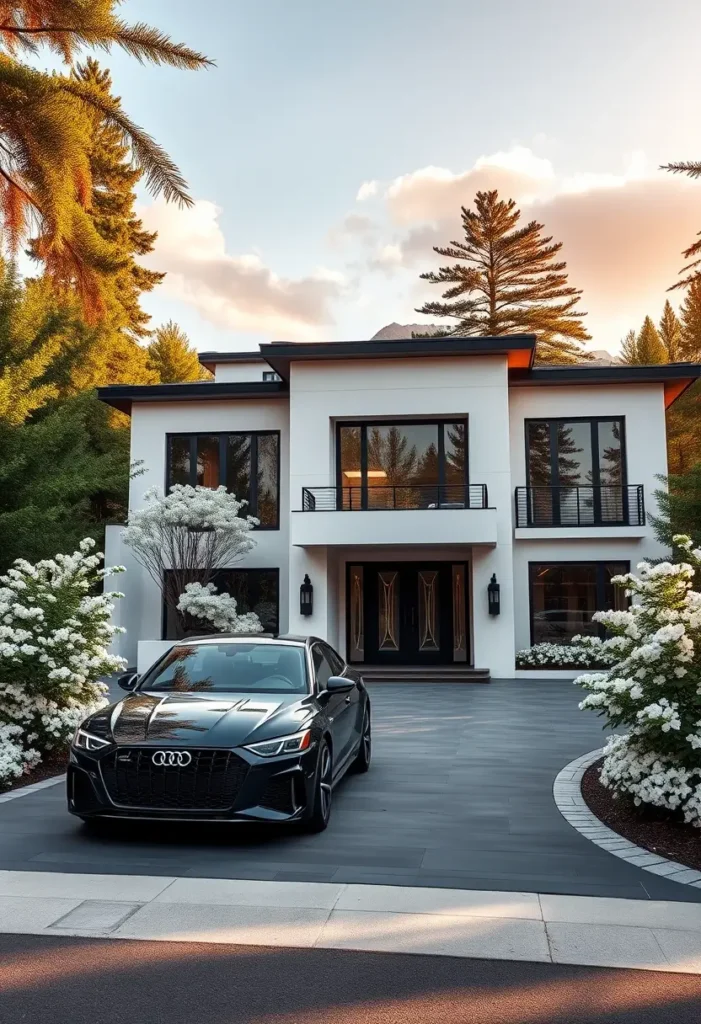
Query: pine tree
point(691, 323)
point(172, 358)
point(508, 283)
point(647, 350)
point(114, 179)
point(670, 332)
point(629, 347)
point(45, 133)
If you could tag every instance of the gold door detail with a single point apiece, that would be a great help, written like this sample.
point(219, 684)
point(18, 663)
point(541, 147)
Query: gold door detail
point(357, 615)
point(388, 610)
point(428, 610)
point(459, 616)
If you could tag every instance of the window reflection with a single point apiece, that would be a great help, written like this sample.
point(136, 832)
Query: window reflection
point(407, 465)
point(564, 598)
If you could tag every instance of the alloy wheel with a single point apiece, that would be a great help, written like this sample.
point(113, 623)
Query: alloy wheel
point(325, 782)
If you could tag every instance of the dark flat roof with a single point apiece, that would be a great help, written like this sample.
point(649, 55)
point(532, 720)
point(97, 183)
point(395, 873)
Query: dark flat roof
point(210, 359)
point(279, 354)
point(122, 396)
point(676, 377)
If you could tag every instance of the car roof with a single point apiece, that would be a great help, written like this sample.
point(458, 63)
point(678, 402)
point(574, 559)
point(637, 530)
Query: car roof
point(264, 638)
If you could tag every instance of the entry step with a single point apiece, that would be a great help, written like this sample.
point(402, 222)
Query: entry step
point(423, 674)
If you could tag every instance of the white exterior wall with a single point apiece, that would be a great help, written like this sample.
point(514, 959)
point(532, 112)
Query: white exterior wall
point(324, 393)
point(241, 372)
point(642, 407)
point(151, 422)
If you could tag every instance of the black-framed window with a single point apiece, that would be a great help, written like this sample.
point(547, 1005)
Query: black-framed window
point(255, 590)
point(402, 463)
point(563, 597)
point(576, 470)
point(247, 464)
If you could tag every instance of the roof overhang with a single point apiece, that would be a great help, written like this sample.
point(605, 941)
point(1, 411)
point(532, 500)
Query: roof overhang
point(675, 377)
point(123, 396)
point(518, 348)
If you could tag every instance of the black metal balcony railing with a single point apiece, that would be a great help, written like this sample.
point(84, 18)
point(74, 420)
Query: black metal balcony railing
point(387, 496)
point(580, 506)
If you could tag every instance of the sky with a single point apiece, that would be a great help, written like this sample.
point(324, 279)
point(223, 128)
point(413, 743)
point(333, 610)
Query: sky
point(334, 143)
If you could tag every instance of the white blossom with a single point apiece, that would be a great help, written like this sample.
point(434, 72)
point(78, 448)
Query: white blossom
point(44, 697)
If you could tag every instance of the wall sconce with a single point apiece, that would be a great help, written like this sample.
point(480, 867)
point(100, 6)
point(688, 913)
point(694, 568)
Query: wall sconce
point(493, 595)
point(306, 596)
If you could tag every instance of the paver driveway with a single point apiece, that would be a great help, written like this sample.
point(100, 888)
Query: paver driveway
point(459, 795)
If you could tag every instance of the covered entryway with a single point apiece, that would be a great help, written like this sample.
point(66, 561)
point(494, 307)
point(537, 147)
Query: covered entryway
point(407, 613)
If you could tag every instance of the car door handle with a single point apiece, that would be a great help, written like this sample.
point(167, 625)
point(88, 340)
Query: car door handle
point(347, 700)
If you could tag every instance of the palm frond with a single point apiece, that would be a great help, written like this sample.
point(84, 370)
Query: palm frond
point(690, 167)
point(147, 43)
point(162, 174)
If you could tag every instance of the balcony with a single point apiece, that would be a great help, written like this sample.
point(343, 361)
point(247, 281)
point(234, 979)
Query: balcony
point(428, 514)
point(388, 497)
point(580, 511)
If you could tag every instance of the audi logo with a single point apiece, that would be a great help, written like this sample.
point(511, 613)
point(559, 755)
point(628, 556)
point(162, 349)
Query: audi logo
point(172, 758)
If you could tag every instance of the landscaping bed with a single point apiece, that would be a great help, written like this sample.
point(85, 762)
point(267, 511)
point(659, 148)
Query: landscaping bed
point(655, 829)
point(49, 766)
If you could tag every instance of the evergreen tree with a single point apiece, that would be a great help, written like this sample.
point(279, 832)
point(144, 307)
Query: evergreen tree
point(679, 506)
point(45, 131)
point(114, 178)
point(31, 346)
point(691, 322)
point(629, 347)
point(506, 282)
point(684, 431)
point(670, 331)
point(647, 350)
point(172, 358)
point(62, 476)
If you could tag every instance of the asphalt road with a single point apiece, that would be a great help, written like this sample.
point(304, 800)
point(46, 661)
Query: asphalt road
point(96, 981)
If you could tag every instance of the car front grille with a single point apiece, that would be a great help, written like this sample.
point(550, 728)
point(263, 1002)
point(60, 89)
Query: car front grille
point(211, 782)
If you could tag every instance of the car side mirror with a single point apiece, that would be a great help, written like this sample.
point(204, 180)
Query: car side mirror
point(339, 684)
point(128, 681)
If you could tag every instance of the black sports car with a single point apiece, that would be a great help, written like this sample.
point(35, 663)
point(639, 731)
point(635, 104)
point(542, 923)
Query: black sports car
point(225, 728)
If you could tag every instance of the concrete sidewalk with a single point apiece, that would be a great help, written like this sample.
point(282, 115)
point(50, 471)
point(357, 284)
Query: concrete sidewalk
point(603, 932)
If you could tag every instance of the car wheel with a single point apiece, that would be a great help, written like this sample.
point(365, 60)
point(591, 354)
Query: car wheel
point(321, 808)
point(362, 761)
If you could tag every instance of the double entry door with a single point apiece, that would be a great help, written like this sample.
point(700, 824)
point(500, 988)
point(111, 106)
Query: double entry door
point(412, 613)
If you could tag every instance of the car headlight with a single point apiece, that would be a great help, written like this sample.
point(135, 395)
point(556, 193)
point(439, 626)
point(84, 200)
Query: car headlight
point(294, 744)
point(86, 741)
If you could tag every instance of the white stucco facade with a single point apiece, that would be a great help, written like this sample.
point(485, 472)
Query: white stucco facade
point(307, 407)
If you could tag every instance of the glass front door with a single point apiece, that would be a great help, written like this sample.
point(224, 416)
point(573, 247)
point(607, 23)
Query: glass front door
point(407, 613)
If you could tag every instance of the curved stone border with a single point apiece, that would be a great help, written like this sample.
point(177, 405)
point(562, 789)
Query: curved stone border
point(567, 793)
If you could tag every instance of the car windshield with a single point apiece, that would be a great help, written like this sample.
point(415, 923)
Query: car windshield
point(222, 667)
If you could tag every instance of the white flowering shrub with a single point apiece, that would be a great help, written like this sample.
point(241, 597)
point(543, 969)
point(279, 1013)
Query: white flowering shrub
point(184, 537)
point(583, 652)
point(54, 634)
point(654, 687)
point(217, 610)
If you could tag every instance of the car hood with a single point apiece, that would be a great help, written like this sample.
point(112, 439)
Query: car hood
point(192, 719)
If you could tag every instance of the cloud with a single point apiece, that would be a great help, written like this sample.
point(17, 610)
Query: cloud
point(238, 292)
point(622, 233)
point(366, 190)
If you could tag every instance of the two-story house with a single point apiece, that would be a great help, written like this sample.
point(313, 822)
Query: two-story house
point(403, 477)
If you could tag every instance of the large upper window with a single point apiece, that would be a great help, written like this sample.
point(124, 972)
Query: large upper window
point(565, 595)
point(576, 470)
point(255, 590)
point(248, 465)
point(402, 465)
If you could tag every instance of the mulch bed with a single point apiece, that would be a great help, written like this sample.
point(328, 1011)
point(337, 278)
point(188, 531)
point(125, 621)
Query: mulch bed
point(49, 766)
point(655, 829)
